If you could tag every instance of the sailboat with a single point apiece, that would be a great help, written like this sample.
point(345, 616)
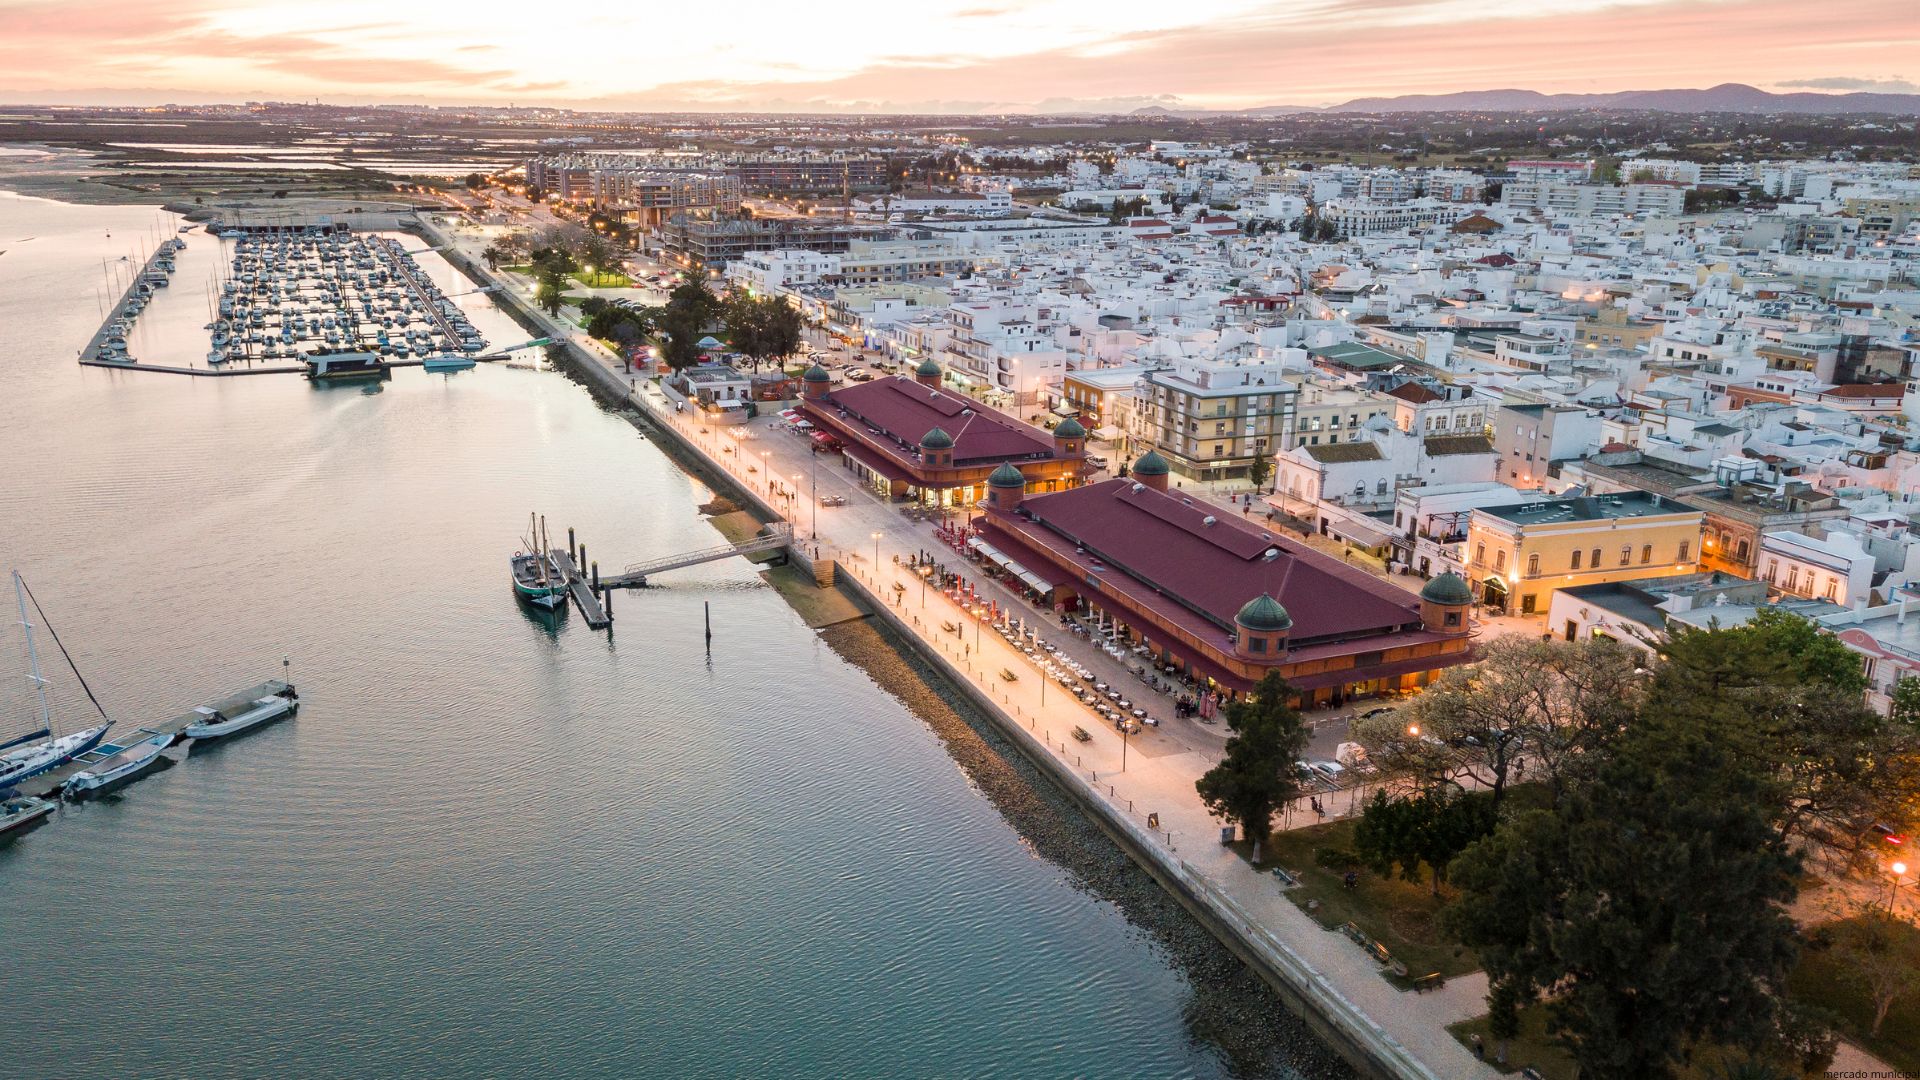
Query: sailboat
point(39, 757)
point(536, 576)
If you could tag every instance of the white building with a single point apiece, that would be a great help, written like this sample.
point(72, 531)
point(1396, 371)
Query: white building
point(1835, 568)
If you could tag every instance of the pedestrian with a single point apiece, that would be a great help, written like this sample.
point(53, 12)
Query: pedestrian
point(1352, 880)
point(1479, 1047)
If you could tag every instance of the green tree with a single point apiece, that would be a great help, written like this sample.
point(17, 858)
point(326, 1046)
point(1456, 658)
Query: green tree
point(690, 310)
point(1259, 469)
point(1255, 777)
point(1787, 697)
point(1650, 906)
point(764, 328)
point(550, 293)
point(1427, 831)
point(492, 256)
point(1906, 701)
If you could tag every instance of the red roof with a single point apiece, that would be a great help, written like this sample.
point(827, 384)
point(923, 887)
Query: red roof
point(1158, 548)
point(902, 411)
point(1415, 393)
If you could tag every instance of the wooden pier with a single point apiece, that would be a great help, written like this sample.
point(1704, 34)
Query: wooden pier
point(49, 783)
point(580, 587)
point(593, 594)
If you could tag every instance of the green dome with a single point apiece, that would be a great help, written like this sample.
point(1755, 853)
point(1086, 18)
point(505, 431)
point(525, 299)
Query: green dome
point(1448, 588)
point(936, 439)
point(1069, 429)
point(1264, 613)
point(927, 367)
point(1150, 464)
point(1006, 476)
point(816, 373)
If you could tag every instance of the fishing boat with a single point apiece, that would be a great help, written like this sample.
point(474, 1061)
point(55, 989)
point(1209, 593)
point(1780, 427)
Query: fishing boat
point(217, 723)
point(537, 577)
point(21, 815)
point(31, 758)
point(122, 766)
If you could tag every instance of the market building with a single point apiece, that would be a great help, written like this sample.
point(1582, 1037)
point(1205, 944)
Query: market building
point(910, 440)
point(1220, 599)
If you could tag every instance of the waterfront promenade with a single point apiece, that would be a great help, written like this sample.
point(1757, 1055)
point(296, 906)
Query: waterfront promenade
point(1153, 793)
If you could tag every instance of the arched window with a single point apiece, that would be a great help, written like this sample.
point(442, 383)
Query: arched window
point(1685, 548)
point(1576, 558)
point(1479, 554)
point(1646, 554)
point(1626, 554)
point(1500, 559)
point(1595, 561)
point(1533, 564)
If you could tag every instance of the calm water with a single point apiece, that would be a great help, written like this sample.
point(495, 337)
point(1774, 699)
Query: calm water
point(483, 848)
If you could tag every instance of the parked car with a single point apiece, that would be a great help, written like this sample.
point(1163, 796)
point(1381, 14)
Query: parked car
point(1330, 771)
point(859, 374)
point(833, 500)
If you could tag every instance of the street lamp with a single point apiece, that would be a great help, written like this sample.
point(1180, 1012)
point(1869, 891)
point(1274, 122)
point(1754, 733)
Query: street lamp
point(1893, 894)
point(876, 555)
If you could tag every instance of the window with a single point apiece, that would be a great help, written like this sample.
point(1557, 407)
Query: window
point(1453, 618)
point(1743, 551)
point(1500, 559)
point(1646, 555)
point(1576, 559)
point(1833, 586)
point(1595, 561)
point(1479, 554)
point(1626, 554)
point(1256, 644)
point(1685, 549)
point(1773, 571)
point(1793, 579)
point(1533, 564)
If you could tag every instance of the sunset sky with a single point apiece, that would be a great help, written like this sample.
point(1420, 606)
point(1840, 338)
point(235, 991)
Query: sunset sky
point(935, 55)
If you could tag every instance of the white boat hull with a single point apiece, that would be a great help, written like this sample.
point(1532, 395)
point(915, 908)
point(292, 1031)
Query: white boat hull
point(121, 767)
point(264, 710)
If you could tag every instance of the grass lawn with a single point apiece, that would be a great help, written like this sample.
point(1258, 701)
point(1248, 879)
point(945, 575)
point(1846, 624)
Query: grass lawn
point(1826, 979)
point(603, 279)
point(1398, 914)
point(1532, 1047)
point(516, 268)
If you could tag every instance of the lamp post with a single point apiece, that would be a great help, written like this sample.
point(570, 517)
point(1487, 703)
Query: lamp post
point(1893, 894)
point(767, 471)
point(876, 556)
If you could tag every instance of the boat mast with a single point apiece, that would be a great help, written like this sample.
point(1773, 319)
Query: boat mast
point(33, 658)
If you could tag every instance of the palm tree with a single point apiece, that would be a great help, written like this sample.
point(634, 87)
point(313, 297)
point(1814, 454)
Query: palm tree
point(492, 255)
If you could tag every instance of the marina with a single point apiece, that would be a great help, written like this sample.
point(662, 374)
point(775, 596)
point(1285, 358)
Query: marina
point(316, 299)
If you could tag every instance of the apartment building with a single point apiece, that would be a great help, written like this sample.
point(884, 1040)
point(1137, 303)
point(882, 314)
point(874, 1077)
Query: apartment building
point(1531, 437)
point(1652, 198)
point(1371, 219)
point(1211, 418)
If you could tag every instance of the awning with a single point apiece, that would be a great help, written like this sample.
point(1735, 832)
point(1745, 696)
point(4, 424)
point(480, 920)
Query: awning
point(1363, 531)
point(878, 463)
point(995, 555)
point(823, 438)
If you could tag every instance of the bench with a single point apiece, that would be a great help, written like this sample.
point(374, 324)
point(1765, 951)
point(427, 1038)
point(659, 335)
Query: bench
point(1430, 981)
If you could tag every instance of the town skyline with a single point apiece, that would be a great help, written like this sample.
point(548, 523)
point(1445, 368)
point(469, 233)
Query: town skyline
point(963, 56)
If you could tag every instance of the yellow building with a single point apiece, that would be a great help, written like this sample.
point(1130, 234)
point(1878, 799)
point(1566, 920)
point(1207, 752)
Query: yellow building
point(1519, 555)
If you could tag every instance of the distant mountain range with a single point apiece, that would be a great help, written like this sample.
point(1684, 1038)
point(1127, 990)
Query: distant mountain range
point(1727, 97)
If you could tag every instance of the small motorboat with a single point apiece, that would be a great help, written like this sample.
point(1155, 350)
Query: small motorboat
point(122, 766)
point(19, 816)
point(214, 724)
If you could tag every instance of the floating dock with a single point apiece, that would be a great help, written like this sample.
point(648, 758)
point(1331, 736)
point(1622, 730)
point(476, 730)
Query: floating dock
point(593, 594)
point(48, 784)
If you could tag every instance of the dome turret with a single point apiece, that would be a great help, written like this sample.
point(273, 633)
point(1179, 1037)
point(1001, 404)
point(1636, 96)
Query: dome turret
point(1448, 588)
point(936, 439)
point(1263, 613)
